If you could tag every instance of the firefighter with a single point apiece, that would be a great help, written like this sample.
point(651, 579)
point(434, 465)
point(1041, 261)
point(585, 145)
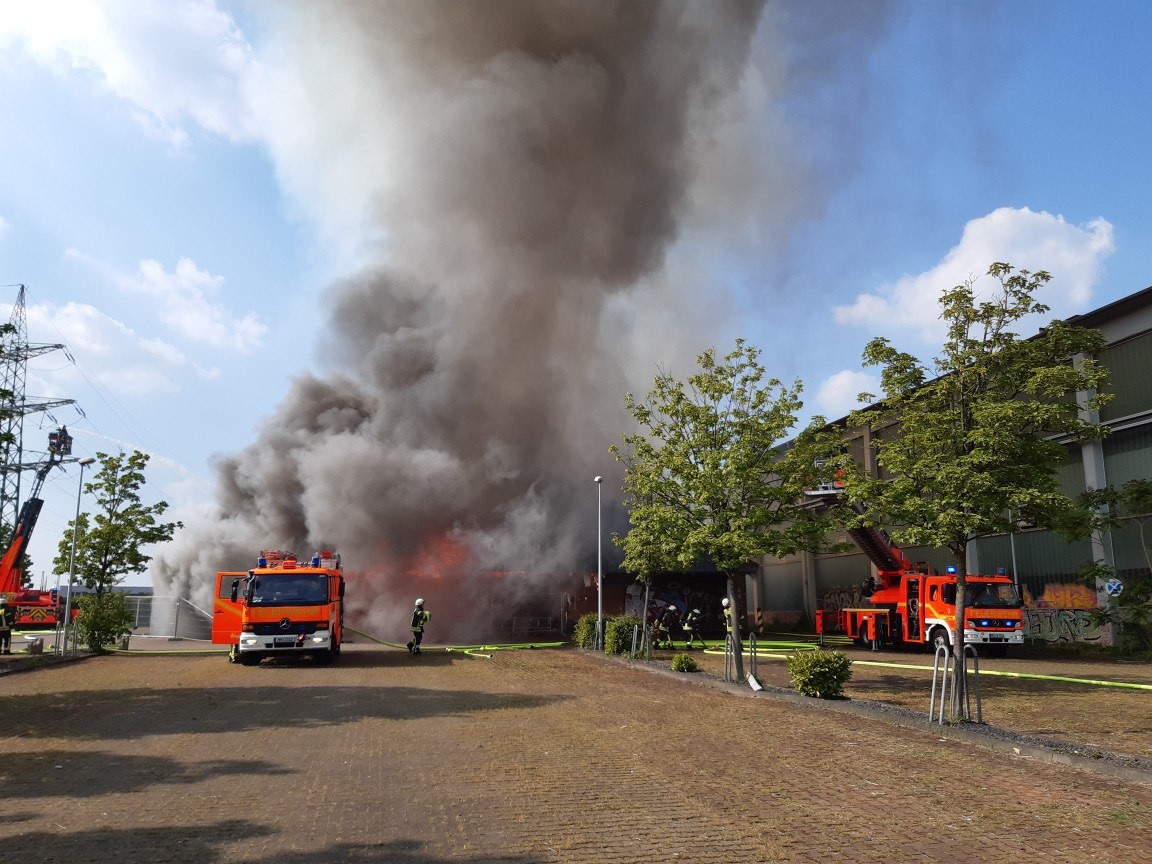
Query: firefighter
point(669, 624)
point(420, 617)
point(7, 622)
point(691, 629)
point(727, 611)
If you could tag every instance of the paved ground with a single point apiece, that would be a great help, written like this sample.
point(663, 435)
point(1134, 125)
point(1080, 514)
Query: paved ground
point(530, 756)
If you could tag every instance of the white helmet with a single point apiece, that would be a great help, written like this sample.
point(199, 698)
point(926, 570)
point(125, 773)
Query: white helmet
point(725, 603)
point(695, 611)
point(671, 607)
point(419, 601)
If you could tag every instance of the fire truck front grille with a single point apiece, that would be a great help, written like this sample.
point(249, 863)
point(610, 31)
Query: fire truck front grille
point(273, 628)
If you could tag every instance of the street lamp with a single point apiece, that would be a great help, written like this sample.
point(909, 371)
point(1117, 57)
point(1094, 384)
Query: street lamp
point(83, 463)
point(599, 570)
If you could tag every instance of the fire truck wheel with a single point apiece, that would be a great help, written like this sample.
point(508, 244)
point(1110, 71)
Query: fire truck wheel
point(940, 639)
point(249, 659)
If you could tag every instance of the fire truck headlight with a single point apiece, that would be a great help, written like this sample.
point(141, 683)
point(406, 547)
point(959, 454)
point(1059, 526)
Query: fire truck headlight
point(248, 640)
point(319, 637)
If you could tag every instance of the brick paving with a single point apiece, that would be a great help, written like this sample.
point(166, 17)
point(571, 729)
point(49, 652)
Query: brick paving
point(530, 756)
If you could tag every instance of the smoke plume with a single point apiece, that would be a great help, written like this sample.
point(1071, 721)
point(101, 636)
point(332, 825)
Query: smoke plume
point(522, 169)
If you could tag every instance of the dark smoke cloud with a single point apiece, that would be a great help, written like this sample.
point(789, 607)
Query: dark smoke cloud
point(538, 160)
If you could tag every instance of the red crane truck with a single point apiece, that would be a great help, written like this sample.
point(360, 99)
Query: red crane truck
point(281, 608)
point(910, 605)
point(35, 610)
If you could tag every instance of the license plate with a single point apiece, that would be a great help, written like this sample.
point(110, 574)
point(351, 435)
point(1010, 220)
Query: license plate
point(284, 641)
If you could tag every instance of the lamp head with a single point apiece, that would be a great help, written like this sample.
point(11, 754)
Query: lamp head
point(597, 479)
point(87, 460)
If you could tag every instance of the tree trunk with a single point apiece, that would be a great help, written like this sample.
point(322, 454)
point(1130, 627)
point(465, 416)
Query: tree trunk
point(738, 597)
point(959, 679)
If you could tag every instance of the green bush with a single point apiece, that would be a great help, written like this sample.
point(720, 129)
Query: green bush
point(618, 633)
point(819, 673)
point(102, 619)
point(584, 635)
point(684, 663)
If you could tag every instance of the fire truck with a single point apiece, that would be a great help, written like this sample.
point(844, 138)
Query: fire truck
point(910, 605)
point(283, 607)
point(35, 610)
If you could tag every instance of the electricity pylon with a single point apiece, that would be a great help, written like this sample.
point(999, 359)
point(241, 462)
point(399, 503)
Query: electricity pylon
point(15, 405)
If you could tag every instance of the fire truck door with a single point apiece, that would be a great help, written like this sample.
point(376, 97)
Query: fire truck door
point(913, 628)
point(226, 615)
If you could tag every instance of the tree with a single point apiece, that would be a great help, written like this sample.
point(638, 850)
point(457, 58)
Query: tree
point(112, 543)
point(705, 479)
point(102, 619)
point(971, 444)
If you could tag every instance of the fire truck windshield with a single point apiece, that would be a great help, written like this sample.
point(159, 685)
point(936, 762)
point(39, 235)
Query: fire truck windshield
point(991, 595)
point(297, 589)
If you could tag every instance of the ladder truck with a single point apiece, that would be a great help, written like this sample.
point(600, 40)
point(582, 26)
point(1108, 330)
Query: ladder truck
point(910, 605)
point(35, 610)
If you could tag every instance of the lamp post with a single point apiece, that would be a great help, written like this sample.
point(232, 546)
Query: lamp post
point(599, 570)
point(83, 463)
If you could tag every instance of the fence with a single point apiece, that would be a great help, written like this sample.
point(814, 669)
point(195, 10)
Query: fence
point(170, 617)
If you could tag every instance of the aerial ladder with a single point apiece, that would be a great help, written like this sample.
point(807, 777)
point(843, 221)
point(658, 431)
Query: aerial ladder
point(34, 608)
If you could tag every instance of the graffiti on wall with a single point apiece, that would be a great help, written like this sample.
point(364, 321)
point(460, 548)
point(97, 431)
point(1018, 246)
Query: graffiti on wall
point(1064, 625)
point(1062, 595)
point(842, 598)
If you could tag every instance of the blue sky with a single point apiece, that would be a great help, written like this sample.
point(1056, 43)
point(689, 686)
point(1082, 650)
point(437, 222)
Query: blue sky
point(179, 203)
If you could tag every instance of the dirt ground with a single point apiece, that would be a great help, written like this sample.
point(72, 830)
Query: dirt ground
point(1047, 693)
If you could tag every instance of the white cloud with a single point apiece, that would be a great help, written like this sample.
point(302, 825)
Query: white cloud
point(173, 60)
point(4, 226)
point(1074, 255)
point(105, 350)
point(184, 300)
point(837, 395)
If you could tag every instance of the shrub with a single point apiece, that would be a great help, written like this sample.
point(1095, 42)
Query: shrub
point(584, 635)
point(684, 663)
point(102, 619)
point(618, 633)
point(819, 673)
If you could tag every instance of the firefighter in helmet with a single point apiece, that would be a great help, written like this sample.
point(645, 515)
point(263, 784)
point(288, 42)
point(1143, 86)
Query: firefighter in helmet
point(727, 607)
point(692, 628)
point(7, 622)
point(669, 624)
point(420, 617)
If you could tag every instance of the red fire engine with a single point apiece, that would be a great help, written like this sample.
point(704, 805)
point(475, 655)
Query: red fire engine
point(910, 605)
point(35, 610)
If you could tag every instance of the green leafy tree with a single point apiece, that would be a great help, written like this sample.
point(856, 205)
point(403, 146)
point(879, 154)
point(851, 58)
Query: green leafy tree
point(102, 619)
point(704, 478)
point(971, 442)
point(112, 543)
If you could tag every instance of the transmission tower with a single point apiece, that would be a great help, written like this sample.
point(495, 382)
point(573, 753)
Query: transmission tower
point(14, 406)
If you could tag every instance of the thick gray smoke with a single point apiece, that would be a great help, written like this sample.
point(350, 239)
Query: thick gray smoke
point(534, 163)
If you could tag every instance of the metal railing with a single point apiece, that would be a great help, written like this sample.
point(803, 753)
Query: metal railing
point(956, 686)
